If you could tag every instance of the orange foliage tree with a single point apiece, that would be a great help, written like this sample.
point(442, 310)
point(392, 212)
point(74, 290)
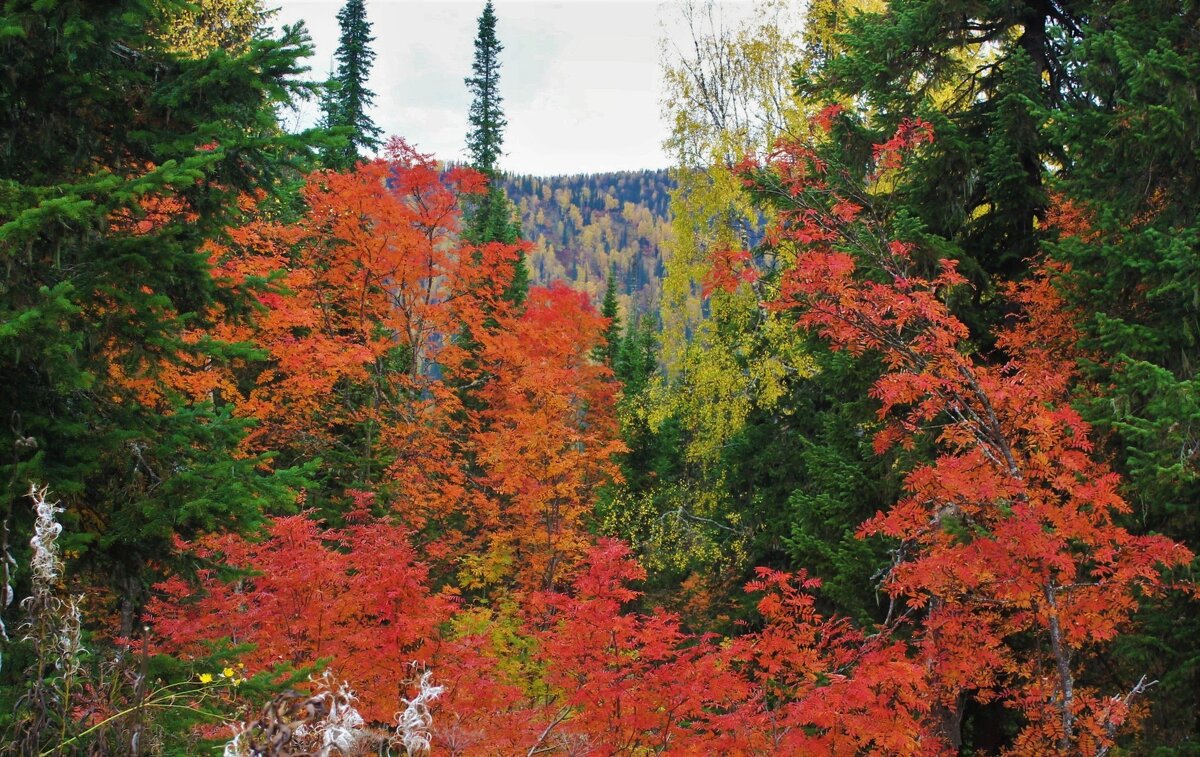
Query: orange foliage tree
point(548, 435)
point(357, 303)
point(380, 335)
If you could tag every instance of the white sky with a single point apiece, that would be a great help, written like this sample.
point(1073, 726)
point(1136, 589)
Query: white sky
point(579, 79)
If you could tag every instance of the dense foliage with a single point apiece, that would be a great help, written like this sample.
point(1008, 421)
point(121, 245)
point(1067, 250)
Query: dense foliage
point(583, 225)
point(870, 428)
point(345, 105)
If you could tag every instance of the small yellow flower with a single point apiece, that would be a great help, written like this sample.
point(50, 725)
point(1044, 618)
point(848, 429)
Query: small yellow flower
point(206, 678)
point(227, 673)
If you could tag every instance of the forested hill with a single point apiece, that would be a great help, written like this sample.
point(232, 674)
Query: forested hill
point(582, 225)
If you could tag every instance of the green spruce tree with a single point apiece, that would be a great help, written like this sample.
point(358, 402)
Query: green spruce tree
point(120, 160)
point(486, 137)
point(612, 334)
point(490, 217)
point(1133, 129)
point(348, 99)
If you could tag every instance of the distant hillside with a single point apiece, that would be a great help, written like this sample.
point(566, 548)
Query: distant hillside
point(581, 225)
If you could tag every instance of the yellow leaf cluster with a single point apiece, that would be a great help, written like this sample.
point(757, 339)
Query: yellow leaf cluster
point(202, 26)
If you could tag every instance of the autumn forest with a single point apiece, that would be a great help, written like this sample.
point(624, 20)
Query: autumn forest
point(870, 426)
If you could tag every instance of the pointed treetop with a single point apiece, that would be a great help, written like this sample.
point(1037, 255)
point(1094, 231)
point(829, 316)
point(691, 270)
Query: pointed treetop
point(347, 103)
point(490, 218)
point(486, 136)
point(612, 333)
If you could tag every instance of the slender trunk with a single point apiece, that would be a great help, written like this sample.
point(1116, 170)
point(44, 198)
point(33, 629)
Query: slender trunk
point(1062, 661)
point(129, 595)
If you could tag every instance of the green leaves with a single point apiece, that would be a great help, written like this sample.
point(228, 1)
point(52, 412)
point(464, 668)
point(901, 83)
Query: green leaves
point(486, 138)
point(119, 162)
point(347, 100)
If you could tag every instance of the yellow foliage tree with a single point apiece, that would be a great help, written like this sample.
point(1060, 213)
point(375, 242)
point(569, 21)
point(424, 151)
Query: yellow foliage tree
point(201, 26)
point(729, 95)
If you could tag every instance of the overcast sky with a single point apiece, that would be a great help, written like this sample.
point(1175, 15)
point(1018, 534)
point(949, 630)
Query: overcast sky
point(579, 78)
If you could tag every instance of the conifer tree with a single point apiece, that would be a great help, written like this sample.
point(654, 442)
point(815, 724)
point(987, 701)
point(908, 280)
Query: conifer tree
point(346, 105)
point(120, 162)
point(487, 120)
point(612, 333)
point(490, 217)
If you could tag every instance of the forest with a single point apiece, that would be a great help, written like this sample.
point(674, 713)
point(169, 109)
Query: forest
point(593, 230)
point(871, 426)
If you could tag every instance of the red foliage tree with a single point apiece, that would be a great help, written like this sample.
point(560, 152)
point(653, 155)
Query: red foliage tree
point(1010, 532)
point(610, 681)
point(356, 595)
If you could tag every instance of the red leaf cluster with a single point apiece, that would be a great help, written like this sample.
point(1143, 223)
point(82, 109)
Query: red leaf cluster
point(1011, 530)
